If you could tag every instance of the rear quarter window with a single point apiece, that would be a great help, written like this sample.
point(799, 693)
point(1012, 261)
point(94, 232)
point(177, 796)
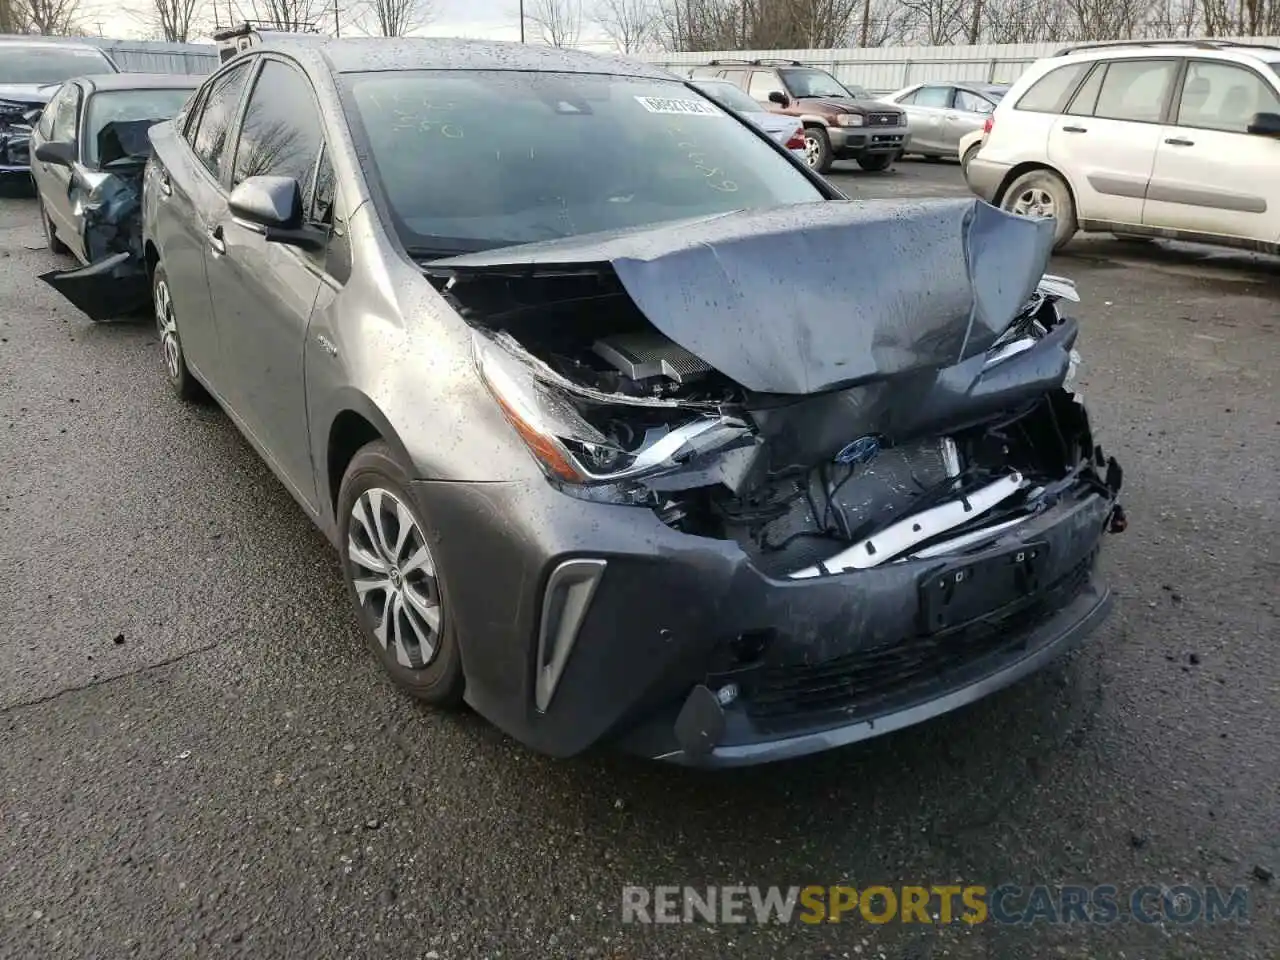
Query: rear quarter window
point(1050, 93)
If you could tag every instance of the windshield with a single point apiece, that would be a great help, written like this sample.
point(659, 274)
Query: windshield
point(46, 63)
point(468, 160)
point(809, 82)
point(731, 97)
point(121, 105)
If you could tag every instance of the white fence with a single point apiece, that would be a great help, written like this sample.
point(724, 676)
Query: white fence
point(885, 69)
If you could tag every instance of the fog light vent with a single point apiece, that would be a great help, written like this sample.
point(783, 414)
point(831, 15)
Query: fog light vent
point(564, 607)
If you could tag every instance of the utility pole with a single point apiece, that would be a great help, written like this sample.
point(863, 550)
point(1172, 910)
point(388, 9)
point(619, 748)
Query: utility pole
point(521, 18)
point(866, 22)
point(337, 30)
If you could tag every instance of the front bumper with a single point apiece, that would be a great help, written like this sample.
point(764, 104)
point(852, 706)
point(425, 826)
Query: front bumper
point(985, 177)
point(861, 141)
point(829, 660)
point(15, 152)
point(115, 286)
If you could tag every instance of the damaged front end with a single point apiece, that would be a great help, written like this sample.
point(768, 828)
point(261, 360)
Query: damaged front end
point(108, 203)
point(902, 401)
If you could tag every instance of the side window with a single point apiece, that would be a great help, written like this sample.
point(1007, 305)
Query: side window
point(938, 97)
point(191, 116)
point(1221, 96)
point(1050, 92)
point(909, 98)
point(337, 257)
point(212, 126)
point(763, 83)
point(736, 76)
point(45, 126)
point(1086, 98)
point(64, 118)
point(1135, 90)
point(282, 132)
point(972, 103)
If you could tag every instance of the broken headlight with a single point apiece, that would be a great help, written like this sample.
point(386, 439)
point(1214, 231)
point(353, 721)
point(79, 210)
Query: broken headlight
point(553, 416)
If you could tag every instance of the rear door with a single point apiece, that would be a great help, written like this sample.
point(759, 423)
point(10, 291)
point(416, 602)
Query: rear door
point(1106, 141)
point(1211, 175)
point(927, 111)
point(191, 200)
point(263, 293)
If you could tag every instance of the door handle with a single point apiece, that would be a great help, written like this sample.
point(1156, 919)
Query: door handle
point(1074, 129)
point(1180, 142)
point(216, 243)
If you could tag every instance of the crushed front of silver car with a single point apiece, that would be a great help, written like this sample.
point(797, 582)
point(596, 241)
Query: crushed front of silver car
point(894, 419)
point(109, 203)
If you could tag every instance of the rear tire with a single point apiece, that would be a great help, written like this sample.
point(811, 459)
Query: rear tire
point(394, 580)
point(876, 162)
point(1042, 193)
point(50, 236)
point(184, 385)
point(817, 149)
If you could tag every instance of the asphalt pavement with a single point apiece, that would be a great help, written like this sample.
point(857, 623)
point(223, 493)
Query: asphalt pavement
point(198, 758)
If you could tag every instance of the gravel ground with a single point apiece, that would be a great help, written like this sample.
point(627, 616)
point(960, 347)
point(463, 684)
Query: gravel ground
point(199, 759)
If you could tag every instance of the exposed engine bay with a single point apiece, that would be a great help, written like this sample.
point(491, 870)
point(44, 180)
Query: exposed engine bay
point(920, 456)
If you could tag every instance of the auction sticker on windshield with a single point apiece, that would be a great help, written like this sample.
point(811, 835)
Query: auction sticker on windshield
point(696, 108)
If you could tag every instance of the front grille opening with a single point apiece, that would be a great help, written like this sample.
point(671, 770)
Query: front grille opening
point(871, 682)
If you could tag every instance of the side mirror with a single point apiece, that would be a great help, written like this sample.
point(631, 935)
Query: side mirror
point(1265, 125)
point(778, 97)
point(57, 152)
point(272, 206)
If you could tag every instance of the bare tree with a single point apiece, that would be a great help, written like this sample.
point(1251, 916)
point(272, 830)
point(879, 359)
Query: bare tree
point(288, 15)
point(171, 20)
point(395, 18)
point(630, 24)
point(50, 17)
point(558, 21)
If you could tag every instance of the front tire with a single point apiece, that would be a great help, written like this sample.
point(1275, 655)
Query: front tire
point(50, 235)
point(817, 149)
point(184, 385)
point(1042, 193)
point(393, 579)
point(876, 162)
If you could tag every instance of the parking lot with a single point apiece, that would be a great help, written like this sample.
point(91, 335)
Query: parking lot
point(198, 757)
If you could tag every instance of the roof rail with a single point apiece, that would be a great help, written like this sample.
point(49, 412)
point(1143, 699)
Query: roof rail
point(1208, 43)
point(756, 63)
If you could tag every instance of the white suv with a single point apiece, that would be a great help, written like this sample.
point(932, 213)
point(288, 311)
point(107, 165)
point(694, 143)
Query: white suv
point(1172, 138)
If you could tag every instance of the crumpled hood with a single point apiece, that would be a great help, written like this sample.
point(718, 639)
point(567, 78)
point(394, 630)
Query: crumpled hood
point(125, 139)
point(810, 297)
point(38, 93)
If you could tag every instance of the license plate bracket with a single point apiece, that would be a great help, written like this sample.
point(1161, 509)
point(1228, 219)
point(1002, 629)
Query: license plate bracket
point(970, 588)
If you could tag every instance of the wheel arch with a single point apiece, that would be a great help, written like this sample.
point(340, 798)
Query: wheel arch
point(357, 421)
point(1029, 166)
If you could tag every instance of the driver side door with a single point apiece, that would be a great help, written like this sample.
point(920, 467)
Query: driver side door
point(264, 292)
point(53, 179)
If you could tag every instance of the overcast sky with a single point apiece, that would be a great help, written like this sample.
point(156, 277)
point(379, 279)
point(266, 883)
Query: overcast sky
point(487, 19)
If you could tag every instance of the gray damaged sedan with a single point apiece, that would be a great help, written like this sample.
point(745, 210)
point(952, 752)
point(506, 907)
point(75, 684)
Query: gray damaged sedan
point(567, 363)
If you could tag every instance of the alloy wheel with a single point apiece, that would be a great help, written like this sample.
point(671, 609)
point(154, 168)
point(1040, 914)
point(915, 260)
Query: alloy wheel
point(812, 150)
point(167, 329)
point(394, 577)
point(1034, 202)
